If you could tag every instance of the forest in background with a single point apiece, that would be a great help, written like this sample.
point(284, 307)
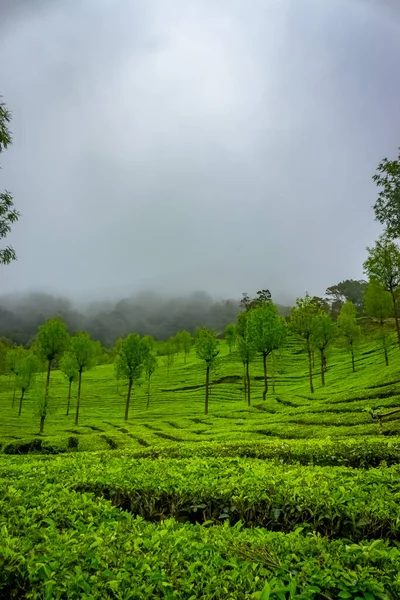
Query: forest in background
point(145, 313)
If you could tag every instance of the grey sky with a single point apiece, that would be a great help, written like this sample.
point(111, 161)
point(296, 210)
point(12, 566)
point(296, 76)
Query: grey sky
point(221, 145)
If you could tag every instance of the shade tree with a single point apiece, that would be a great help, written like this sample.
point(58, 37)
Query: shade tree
point(51, 342)
point(230, 336)
point(349, 330)
point(379, 305)
point(131, 352)
point(266, 332)
point(8, 214)
point(85, 352)
point(207, 350)
point(387, 205)
point(28, 367)
point(301, 320)
point(14, 357)
point(323, 333)
point(69, 367)
point(383, 266)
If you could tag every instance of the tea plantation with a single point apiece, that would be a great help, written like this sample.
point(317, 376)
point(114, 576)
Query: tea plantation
point(294, 497)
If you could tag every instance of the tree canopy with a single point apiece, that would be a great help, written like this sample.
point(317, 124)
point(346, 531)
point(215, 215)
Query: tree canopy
point(387, 205)
point(8, 214)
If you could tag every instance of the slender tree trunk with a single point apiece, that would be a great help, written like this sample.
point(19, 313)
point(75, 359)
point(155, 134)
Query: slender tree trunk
point(248, 384)
point(265, 391)
point(273, 378)
point(207, 384)
point(244, 381)
point(322, 366)
point(310, 370)
point(386, 357)
point(353, 364)
point(128, 400)
point(313, 358)
point(382, 324)
point(148, 394)
point(14, 392)
point(78, 398)
point(396, 315)
point(48, 378)
point(69, 397)
point(46, 399)
point(41, 428)
point(20, 402)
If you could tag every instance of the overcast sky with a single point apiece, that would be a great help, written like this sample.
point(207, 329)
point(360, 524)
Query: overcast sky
point(221, 145)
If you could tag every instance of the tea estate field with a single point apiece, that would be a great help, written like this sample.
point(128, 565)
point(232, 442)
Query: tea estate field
point(295, 497)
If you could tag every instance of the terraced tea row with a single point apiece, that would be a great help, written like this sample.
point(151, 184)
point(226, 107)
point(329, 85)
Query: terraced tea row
point(58, 543)
point(334, 501)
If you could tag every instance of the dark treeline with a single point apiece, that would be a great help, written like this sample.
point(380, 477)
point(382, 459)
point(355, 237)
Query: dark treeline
point(145, 314)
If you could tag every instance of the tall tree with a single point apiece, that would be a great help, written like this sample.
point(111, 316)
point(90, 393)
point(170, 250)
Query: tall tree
point(131, 353)
point(323, 332)
point(27, 369)
point(378, 304)
point(246, 351)
point(69, 366)
point(387, 206)
point(170, 349)
point(349, 289)
point(247, 303)
point(349, 330)
point(383, 265)
point(267, 332)
point(13, 359)
point(8, 214)
point(186, 341)
point(230, 336)
point(207, 350)
point(52, 341)
point(85, 351)
point(301, 324)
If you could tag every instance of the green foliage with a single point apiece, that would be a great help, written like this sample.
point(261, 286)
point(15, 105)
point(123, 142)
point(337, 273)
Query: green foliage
point(207, 345)
point(301, 323)
point(383, 263)
point(93, 550)
point(323, 333)
point(14, 357)
point(230, 335)
point(131, 353)
point(69, 366)
point(377, 301)
point(129, 358)
point(8, 214)
point(266, 329)
point(27, 369)
point(184, 342)
point(207, 350)
point(349, 330)
point(387, 206)
point(52, 339)
point(350, 289)
point(85, 351)
point(266, 332)
point(379, 305)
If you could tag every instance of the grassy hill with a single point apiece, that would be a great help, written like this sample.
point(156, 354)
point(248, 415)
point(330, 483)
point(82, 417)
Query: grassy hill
point(296, 497)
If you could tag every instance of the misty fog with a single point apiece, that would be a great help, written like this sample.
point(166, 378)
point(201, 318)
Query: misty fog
point(175, 145)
